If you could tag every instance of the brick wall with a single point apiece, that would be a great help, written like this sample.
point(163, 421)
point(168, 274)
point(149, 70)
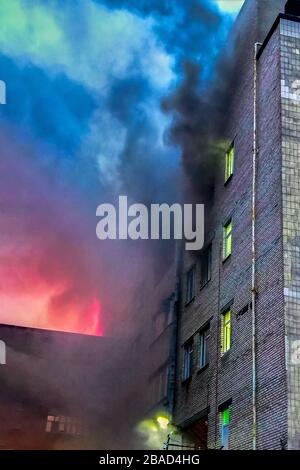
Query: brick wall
point(290, 76)
point(230, 377)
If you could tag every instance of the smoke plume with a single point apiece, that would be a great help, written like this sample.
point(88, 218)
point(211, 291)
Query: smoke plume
point(103, 98)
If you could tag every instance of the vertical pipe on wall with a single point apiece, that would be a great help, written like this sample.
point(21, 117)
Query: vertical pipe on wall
point(218, 347)
point(253, 250)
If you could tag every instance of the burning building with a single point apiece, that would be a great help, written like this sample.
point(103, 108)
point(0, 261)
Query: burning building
point(238, 324)
point(56, 390)
point(153, 344)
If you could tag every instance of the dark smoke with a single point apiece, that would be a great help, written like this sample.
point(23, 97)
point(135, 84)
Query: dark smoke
point(193, 32)
point(149, 170)
point(199, 109)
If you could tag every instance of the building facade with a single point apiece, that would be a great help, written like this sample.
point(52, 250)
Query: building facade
point(238, 375)
point(56, 390)
point(155, 343)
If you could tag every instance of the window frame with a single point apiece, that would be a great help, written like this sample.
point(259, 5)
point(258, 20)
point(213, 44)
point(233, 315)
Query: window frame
point(189, 297)
point(227, 236)
point(208, 263)
point(229, 163)
point(225, 331)
point(204, 340)
point(225, 423)
point(187, 369)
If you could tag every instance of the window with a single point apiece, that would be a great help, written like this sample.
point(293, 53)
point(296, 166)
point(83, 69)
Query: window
point(190, 283)
point(225, 419)
point(63, 424)
point(229, 160)
point(159, 383)
point(160, 323)
point(187, 360)
point(205, 267)
point(227, 239)
point(225, 331)
point(204, 336)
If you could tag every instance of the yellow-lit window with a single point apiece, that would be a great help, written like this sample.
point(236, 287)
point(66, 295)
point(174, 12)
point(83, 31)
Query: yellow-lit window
point(225, 331)
point(227, 239)
point(229, 160)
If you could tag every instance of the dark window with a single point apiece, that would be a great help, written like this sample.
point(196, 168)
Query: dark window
point(190, 285)
point(205, 266)
point(204, 336)
point(187, 360)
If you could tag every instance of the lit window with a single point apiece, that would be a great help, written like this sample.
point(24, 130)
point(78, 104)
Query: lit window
point(227, 239)
point(225, 331)
point(205, 264)
point(63, 424)
point(204, 347)
point(225, 419)
point(187, 360)
point(190, 283)
point(229, 160)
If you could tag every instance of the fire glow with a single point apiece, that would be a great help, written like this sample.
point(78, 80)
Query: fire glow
point(49, 276)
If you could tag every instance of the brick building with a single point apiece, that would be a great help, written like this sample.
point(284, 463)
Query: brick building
point(56, 390)
point(161, 352)
point(153, 344)
point(238, 381)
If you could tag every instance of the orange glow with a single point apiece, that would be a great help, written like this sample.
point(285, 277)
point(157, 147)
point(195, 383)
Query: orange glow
point(30, 297)
point(15, 311)
point(50, 274)
point(94, 327)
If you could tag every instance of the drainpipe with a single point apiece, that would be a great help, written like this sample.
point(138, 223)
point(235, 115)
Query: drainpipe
point(174, 335)
point(218, 349)
point(253, 250)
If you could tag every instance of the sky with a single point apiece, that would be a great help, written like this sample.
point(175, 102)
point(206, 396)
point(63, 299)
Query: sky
point(83, 122)
point(230, 6)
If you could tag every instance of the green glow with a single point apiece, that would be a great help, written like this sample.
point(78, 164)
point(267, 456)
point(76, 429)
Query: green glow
point(155, 430)
point(163, 422)
point(226, 417)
